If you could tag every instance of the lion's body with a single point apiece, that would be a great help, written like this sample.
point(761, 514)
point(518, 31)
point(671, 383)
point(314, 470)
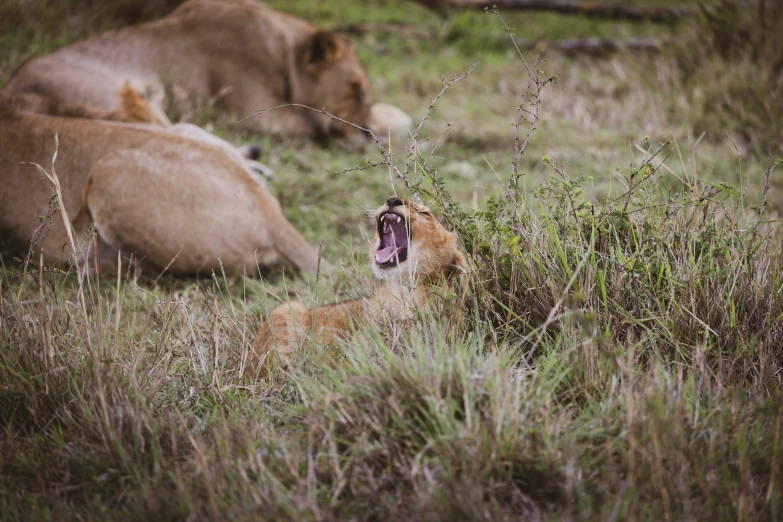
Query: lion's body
point(434, 258)
point(238, 53)
point(164, 194)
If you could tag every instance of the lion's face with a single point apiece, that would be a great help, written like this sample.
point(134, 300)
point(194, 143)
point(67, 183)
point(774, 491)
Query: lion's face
point(409, 240)
point(335, 80)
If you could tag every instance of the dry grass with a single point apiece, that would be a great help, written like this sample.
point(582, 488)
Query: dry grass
point(654, 389)
point(731, 65)
point(615, 354)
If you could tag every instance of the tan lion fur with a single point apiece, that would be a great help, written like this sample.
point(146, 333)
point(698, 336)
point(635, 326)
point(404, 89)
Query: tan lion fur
point(433, 257)
point(131, 107)
point(240, 54)
point(177, 197)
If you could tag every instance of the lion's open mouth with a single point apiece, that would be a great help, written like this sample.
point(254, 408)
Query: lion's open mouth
point(394, 240)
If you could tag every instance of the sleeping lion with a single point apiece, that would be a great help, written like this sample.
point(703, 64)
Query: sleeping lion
point(178, 197)
point(239, 54)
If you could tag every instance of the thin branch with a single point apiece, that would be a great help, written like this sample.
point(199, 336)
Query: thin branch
point(388, 160)
point(415, 136)
point(354, 169)
point(646, 162)
point(519, 149)
point(767, 172)
point(533, 79)
point(445, 130)
point(513, 40)
point(386, 155)
point(55, 181)
point(41, 231)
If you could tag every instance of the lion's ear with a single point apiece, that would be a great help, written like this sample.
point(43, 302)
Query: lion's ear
point(321, 49)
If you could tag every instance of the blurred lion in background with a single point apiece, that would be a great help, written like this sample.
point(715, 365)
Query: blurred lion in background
point(239, 54)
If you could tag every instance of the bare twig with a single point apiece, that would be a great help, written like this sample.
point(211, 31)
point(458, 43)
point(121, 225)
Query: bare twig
point(767, 173)
point(82, 268)
point(445, 130)
point(46, 327)
point(97, 284)
point(38, 235)
point(166, 268)
point(388, 160)
point(42, 230)
point(215, 344)
point(533, 80)
point(646, 162)
point(55, 181)
point(353, 169)
point(386, 155)
point(446, 86)
point(519, 149)
point(117, 301)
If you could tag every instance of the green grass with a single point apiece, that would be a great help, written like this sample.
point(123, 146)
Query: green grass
point(615, 354)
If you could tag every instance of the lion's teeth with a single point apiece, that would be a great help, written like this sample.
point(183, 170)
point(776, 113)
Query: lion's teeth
point(398, 218)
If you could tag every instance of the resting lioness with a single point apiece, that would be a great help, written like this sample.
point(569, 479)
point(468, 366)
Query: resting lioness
point(410, 250)
point(177, 197)
point(239, 53)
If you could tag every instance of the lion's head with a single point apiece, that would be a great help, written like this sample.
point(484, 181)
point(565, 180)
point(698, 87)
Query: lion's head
point(321, 68)
point(333, 78)
point(409, 240)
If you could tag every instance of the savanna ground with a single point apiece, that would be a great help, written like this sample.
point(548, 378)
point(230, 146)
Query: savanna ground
point(615, 353)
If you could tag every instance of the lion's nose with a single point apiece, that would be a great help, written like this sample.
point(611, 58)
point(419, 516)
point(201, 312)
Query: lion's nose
point(393, 201)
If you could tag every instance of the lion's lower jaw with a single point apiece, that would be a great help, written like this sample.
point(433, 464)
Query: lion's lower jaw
point(405, 271)
point(386, 274)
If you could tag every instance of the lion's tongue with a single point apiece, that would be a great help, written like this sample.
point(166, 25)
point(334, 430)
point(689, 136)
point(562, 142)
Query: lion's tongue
point(385, 255)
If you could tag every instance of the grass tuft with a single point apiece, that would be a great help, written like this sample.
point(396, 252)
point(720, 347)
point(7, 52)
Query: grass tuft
point(613, 354)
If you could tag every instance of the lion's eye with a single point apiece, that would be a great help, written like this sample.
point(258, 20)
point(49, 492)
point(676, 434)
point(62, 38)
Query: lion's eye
point(356, 89)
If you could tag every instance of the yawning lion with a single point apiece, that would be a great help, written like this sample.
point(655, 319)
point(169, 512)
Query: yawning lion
point(410, 251)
